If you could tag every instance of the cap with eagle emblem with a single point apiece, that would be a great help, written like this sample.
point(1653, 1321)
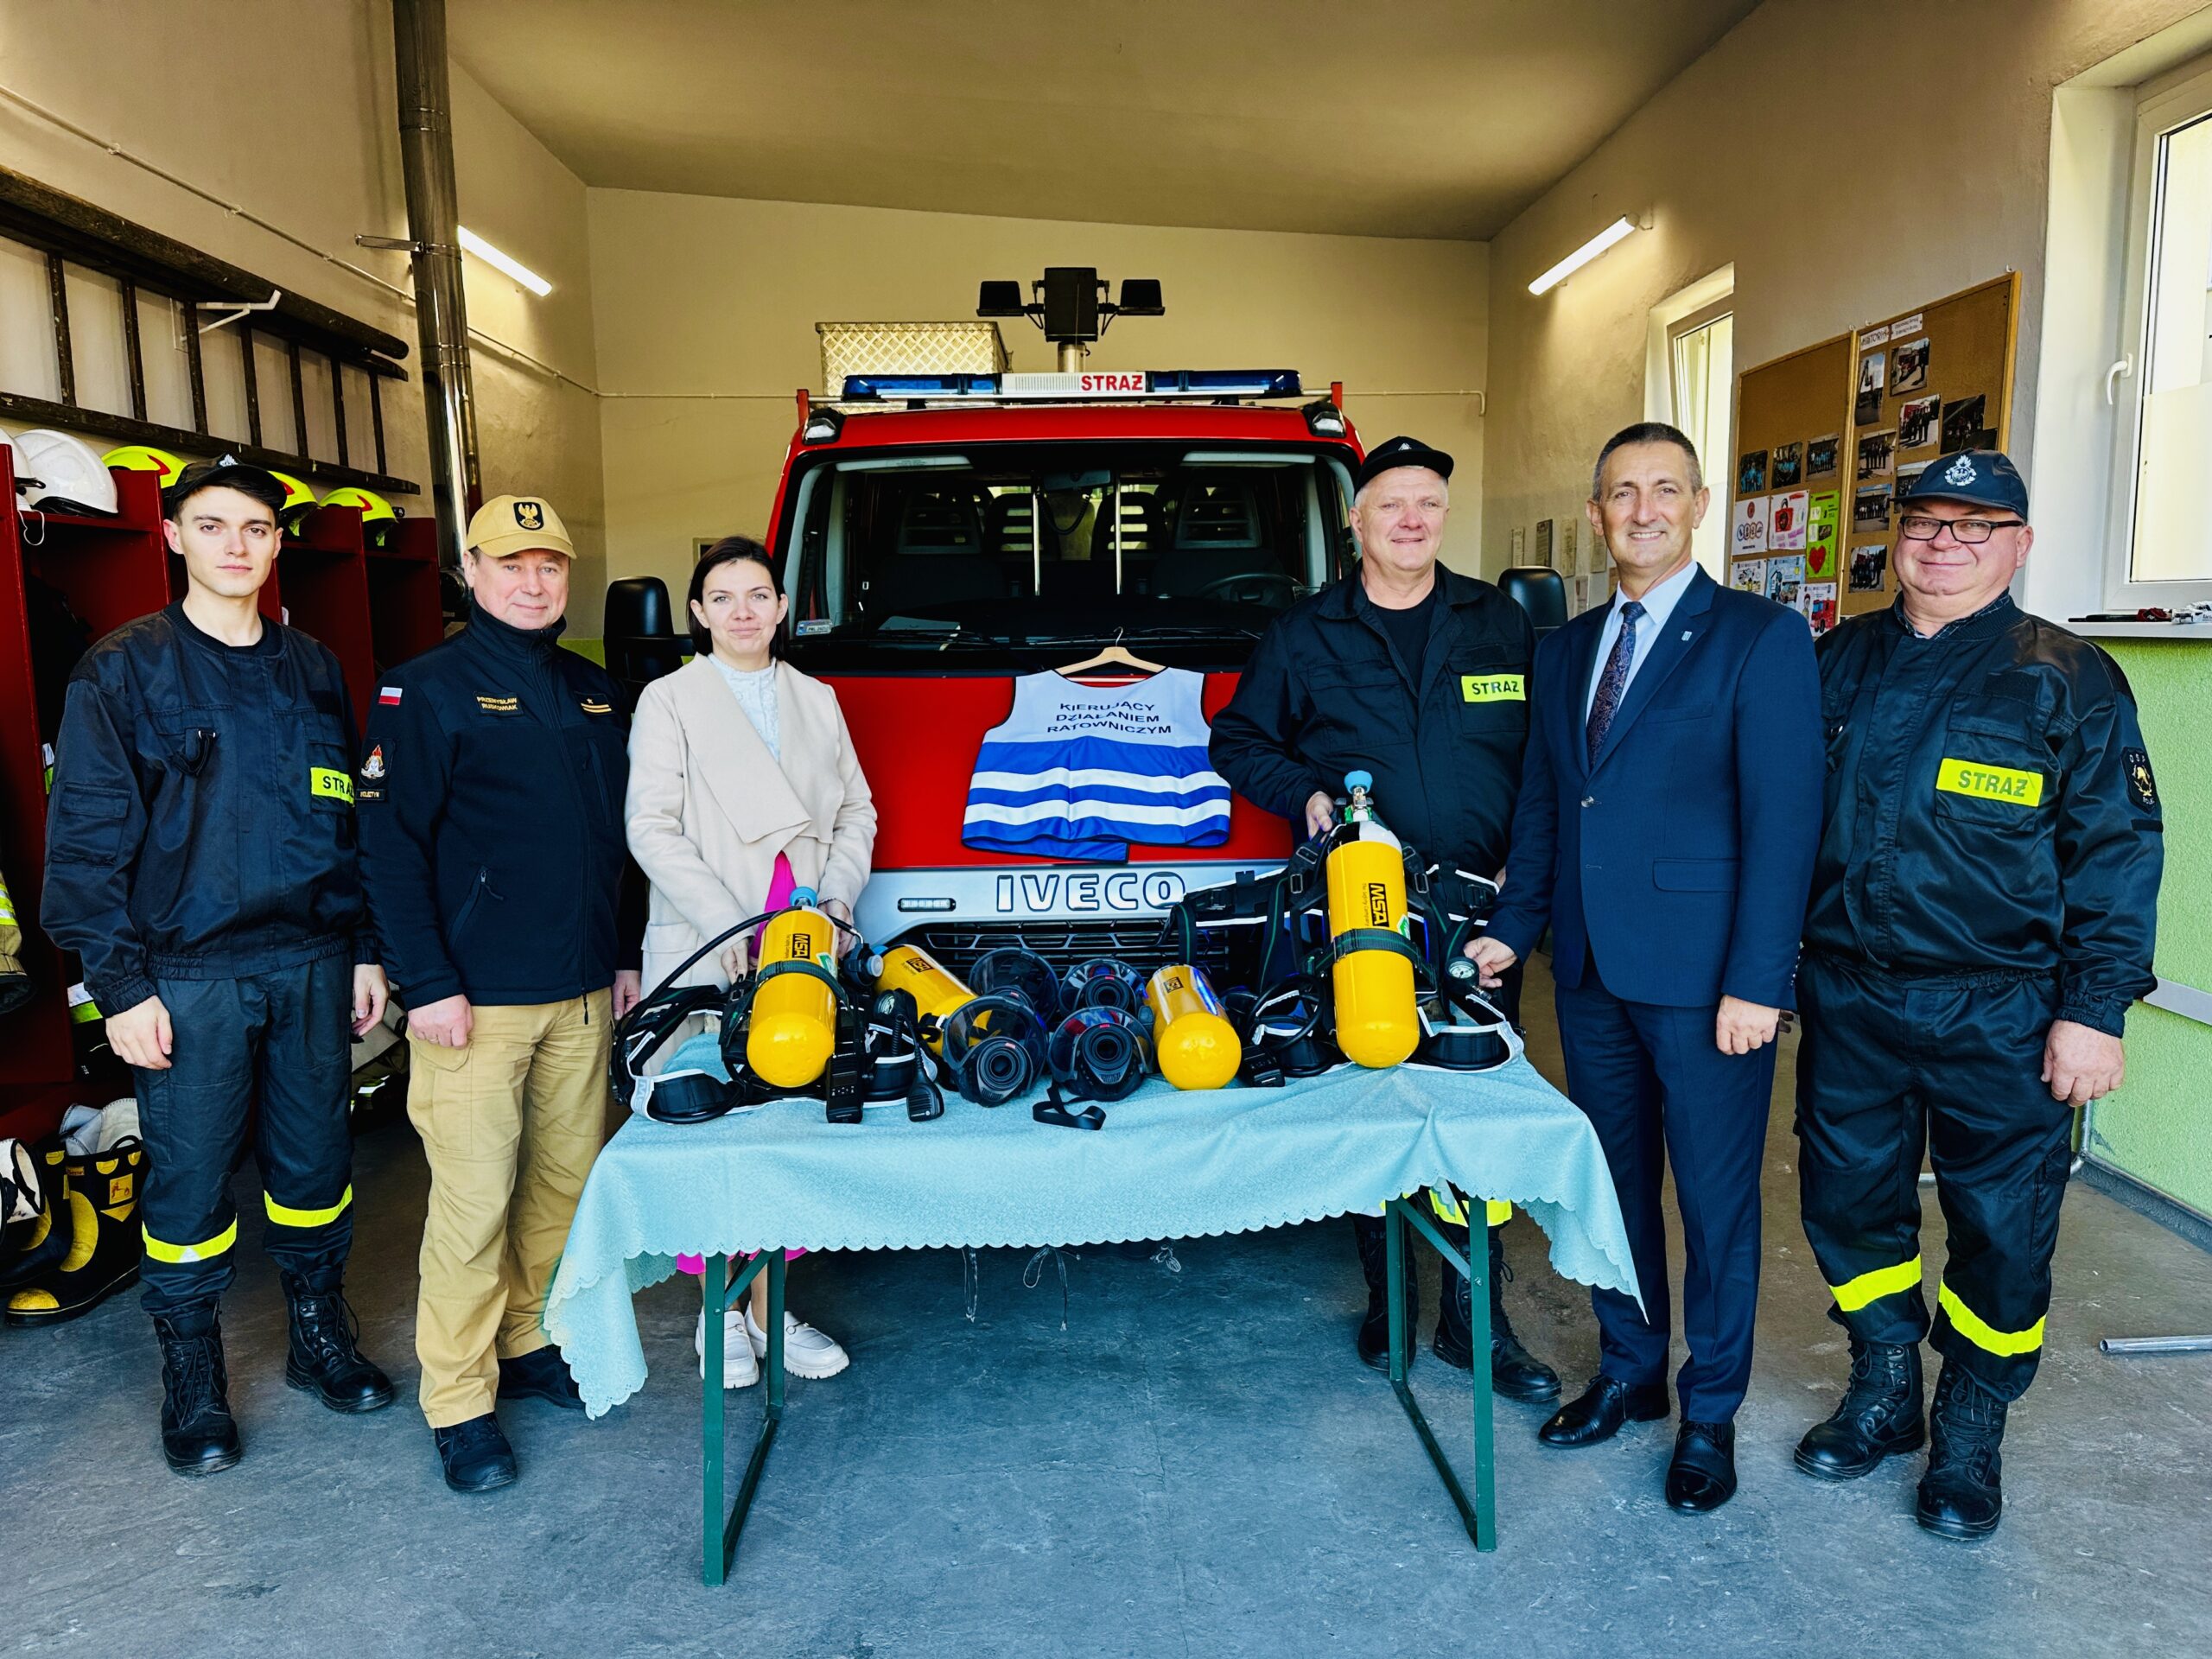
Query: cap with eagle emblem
point(518, 524)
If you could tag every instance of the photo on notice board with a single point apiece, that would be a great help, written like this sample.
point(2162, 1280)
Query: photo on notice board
point(1870, 509)
point(1543, 541)
point(1747, 575)
point(1785, 522)
point(1869, 409)
point(1747, 529)
point(1917, 423)
point(1909, 472)
point(1909, 366)
point(1785, 578)
point(1962, 423)
point(1820, 605)
point(1822, 529)
point(1878, 454)
point(1867, 566)
point(1751, 473)
point(1789, 466)
point(1821, 454)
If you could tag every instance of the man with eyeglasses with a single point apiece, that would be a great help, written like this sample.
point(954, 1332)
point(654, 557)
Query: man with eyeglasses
point(1984, 898)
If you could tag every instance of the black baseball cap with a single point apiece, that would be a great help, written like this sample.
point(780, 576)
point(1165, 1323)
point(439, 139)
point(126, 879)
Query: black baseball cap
point(1981, 477)
point(1402, 452)
point(228, 473)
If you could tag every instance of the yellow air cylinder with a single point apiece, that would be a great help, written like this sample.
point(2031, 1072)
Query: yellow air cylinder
point(1197, 1045)
point(1378, 1020)
point(938, 992)
point(794, 1020)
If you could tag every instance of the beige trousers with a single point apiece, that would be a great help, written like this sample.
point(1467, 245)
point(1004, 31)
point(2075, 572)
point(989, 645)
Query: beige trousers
point(510, 1125)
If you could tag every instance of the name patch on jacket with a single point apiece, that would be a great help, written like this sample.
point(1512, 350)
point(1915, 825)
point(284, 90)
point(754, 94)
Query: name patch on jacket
point(330, 784)
point(497, 705)
point(1493, 688)
point(1988, 783)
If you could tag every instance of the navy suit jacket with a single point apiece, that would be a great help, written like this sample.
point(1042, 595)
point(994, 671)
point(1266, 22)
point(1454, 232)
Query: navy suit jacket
point(1681, 860)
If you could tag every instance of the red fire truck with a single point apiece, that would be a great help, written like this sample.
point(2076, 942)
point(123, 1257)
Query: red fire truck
point(941, 535)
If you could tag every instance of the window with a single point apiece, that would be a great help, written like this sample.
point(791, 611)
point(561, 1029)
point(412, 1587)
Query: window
point(2161, 385)
point(1690, 382)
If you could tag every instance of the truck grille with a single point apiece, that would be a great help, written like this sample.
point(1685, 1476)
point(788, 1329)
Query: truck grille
point(1063, 943)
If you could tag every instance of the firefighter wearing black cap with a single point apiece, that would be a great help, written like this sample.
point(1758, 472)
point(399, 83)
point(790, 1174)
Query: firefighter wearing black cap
point(200, 860)
point(1418, 675)
point(1982, 911)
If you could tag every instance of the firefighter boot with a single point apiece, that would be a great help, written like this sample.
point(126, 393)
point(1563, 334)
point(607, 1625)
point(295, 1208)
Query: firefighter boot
point(1881, 1413)
point(323, 1359)
point(1958, 1496)
point(199, 1434)
point(1374, 1339)
point(1514, 1371)
point(102, 1198)
point(31, 1250)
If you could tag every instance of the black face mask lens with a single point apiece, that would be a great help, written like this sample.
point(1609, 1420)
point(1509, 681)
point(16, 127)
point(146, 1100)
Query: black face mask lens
point(994, 1047)
point(1102, 982)
point(1025, 973)
point(1099, 1054)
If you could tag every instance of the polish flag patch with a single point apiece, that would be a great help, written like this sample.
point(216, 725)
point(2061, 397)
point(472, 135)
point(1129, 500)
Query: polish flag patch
point(388, 695)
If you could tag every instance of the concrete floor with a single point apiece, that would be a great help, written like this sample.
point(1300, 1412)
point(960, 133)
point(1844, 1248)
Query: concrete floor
point(1195, 1466)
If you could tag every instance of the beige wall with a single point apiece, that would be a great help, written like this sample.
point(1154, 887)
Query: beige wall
point(302, 132)
point(706, 295)
point(1851, 160)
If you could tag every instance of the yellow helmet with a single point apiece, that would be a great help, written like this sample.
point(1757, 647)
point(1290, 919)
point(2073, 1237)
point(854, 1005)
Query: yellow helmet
point(144, 458)
point(299, 501)
point(377, 515)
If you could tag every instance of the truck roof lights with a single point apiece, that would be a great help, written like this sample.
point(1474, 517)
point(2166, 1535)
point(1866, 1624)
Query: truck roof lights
point(1078, 386)
point(1324, 419)
point(822, 426)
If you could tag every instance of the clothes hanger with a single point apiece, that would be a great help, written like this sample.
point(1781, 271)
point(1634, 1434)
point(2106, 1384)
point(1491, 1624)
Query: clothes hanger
point(1115, 656)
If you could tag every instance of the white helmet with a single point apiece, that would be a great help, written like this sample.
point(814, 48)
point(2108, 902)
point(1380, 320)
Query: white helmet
point(56, 473)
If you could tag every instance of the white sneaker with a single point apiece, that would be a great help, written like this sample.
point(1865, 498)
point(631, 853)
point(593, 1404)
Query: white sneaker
point(807, 1351)
point(740, 1368)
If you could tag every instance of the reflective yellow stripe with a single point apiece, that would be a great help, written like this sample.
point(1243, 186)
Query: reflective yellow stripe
point(1987, 783)
point(331, 785)
point(284, 1216)
point(1971, 1326)
point(1446, 1208)
point(1496, 1211)
point(1493, 688)
point(207, 1251)
point(1883, 1281)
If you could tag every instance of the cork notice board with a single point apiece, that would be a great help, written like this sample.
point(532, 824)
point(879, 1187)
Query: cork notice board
point(1930, 380)
point(1788, 500)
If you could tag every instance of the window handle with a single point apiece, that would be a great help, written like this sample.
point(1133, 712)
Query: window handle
point(2126, 365)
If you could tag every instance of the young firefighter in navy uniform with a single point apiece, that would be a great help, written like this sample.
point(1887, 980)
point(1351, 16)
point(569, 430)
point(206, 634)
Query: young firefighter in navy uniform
point(1418, 675)
point(1982, 910)
point(493, 838)
point(201, 860)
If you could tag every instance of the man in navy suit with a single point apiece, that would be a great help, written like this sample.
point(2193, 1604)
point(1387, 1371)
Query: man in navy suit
point(1666, 828)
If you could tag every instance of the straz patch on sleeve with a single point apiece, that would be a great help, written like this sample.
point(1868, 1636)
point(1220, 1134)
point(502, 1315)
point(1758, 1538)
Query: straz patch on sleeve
point(1493, 688)
point(2142, 788)
point(1986, 783)
point(330, 784)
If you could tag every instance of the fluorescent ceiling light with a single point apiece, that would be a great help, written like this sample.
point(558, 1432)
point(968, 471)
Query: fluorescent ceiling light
point(1573, 261)
point(514, 267)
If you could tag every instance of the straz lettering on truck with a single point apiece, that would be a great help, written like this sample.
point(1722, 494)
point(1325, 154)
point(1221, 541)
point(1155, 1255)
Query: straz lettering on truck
point(1102, 890)
point(1986, 783)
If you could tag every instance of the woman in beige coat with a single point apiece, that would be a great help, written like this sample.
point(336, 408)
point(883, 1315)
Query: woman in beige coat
point(743, 785)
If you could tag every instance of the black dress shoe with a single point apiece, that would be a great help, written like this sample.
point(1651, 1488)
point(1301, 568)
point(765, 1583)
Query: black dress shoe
point(1598, 1411)
point(321, 1358)
point(1960, 1495)
point(476, 1455)
point(1702, 1475)
point(1881, 1413)
point(1373, 1339)
point(199, 1434)
point(541, 1374)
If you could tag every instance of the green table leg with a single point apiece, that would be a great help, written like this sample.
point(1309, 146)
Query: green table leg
point(719, 1534)
point(1478, 1515)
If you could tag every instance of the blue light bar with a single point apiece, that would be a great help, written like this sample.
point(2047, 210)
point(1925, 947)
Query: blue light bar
point(1225, 383)
point(858, 387)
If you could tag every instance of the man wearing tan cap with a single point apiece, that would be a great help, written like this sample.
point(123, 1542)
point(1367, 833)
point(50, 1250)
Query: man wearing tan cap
point(491, 795)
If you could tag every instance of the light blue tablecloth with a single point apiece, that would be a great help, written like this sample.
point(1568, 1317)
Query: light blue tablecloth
point(1167, 1165)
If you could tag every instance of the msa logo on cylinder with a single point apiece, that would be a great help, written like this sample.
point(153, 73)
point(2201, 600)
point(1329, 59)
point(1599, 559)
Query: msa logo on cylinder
point(1378, 905)
point(1125, 892)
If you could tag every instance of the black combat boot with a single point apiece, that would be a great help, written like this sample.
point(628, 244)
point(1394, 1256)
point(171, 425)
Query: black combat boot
point(199, 1434)
point(1374, 1341)
point(1514, 1371)
point(321, 1358)
point(1958, 1496)
point(1881, 1413)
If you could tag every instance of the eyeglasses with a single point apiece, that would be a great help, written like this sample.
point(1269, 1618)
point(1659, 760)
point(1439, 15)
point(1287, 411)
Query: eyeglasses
point(1972, 532)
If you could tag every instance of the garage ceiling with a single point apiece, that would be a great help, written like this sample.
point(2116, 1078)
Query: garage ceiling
point(1435, 118)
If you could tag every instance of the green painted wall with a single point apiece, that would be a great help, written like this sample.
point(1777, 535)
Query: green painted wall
point(2158, 1127)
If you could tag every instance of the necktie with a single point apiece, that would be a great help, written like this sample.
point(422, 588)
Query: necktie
point(1614, 681)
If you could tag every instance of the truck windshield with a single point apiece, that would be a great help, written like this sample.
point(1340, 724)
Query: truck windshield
point(998, 556)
